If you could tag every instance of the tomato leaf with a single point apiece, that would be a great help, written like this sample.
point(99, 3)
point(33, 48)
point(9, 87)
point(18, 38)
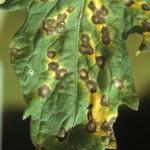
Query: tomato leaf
point(72, 62)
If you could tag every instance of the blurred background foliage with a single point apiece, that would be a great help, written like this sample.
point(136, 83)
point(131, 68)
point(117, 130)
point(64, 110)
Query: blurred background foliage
point(12, 21)
point(9, 24)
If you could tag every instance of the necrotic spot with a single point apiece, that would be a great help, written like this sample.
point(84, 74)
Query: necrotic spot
point(83, 74)
point(146, 26)
point(60, 28)
point(60, 74)
point(53, 66)
point(89, 115)
point(91, 126)
point(51, 54)
point(104, 100)
point(44, 91)
point(105, 139)
point(100, 61)
point(91, 5)
point(145, 7)
point(85, 47)
point(85, 38)
point(92, 86)
point(104, 11)
point(97, 20)
point(61, 17)
point(105, 36)
point(99, 15)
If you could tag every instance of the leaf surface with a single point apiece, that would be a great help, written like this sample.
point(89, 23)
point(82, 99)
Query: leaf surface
point(72, 62)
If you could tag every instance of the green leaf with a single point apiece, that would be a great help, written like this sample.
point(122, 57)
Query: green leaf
point(74, 69)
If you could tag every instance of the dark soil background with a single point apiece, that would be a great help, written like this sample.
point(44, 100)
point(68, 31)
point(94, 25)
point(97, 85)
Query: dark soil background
point(132, 129)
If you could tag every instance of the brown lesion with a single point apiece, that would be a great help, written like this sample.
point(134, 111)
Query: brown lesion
point(91, 125)
point(104, 100)
point(98, 14)
point(145, 7)
point(83, 74)
point(105, 36)
point(101, 119)
point(54, 66)
point(100, 61)
point(60, 74)
point(44, 91)
point(107, 126)
point(99, 19)
point(57, 24)
point(85, 45)
point(90, 84)
point(51, 54)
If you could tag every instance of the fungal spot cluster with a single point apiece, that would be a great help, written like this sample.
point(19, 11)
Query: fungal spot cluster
point(107, 127)
point(98, 18)
point(99, 15)
point(85, 46)
point(57, 25)
point(60, 73)
point(101, 120)
point(90, 84)
point(91, 125)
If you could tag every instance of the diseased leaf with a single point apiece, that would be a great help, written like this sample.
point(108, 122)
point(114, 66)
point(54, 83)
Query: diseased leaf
point(74, 69)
